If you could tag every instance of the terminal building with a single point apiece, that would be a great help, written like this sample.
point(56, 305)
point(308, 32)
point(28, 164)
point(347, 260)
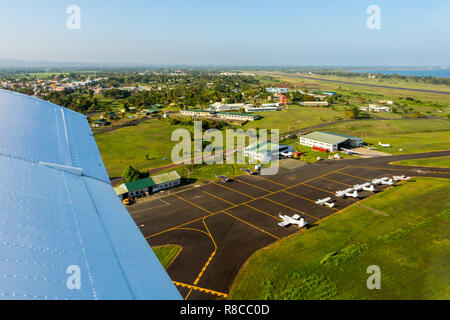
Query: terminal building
point(330, 141)
point(236, 116)
point(375, 108)
point(314, 103)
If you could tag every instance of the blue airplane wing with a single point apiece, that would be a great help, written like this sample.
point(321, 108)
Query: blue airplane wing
point(64, 234)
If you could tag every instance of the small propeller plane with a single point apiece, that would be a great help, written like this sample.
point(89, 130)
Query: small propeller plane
point(384, 180)
point(223, 178)
point(347, 193)
point(287, 154)
point(294, 220)
point(365, 186)
point(400, 178)
point(385, 145)
point(248, 171)
point(325, 202)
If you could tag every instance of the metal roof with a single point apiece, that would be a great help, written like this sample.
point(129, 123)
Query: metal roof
point(59, 210)
point(264, 147)
point(328, 137)
point(166, 177)
point(122, 189)
point(139, 184)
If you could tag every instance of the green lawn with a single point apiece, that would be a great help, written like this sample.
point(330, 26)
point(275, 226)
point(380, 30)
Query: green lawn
point(166, 254)
point(411, 136)
point(440, 162)
point(296, 117)
point(131, 146)
point(329, 261)
point(382, 93)
point(145, 146)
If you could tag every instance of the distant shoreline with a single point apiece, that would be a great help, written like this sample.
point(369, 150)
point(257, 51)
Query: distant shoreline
point(428, 72)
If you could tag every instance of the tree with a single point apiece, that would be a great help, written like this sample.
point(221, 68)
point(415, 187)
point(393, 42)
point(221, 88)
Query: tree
point(126, 106)
point(356, 112)
point(132, 174)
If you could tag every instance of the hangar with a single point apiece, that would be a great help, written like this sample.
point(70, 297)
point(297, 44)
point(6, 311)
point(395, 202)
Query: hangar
point(148, 185)
point(266, 151)
point(330, 141)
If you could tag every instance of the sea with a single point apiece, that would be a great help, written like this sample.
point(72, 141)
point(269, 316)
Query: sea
point(441, 72)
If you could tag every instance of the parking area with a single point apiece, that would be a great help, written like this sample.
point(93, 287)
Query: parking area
point(219, 225)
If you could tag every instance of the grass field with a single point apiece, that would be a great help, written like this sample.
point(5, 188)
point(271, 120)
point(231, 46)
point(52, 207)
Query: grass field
point(142, 146)
point(386, 82)
point(411, 136)
point(145, 146)
point(441, 162)
point(296, 117)
point(382, 93)
point(329, 261)
point(166, 254)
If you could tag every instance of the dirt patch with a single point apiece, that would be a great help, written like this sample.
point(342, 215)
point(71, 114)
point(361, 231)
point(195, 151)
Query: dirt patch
point(367, 153)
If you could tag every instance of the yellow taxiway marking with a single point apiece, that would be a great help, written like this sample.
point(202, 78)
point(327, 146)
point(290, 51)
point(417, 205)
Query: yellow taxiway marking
point(189, 293)
point(299, 196)
point(193, 229)
point(245, 202)
point(308, 185)
point(217, 197)
point(210, 257)
point(184, 285)
point(331, 180)
point(283, 185)
point(195, 205)
point(301, 212)
point(268, 214)
point(252, 185)
point(234, 190)
point(251, 225)
point(353, 176)
point(181, 225)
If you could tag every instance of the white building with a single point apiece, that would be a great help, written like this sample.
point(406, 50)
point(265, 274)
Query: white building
point(262, 108)
point(222, 115)
point(330, 141)
point(236, 116)
point(375, 108)
point(196, 113)
point(277, 90)
point(266, 151)
point(220, 107)
point(314, 103)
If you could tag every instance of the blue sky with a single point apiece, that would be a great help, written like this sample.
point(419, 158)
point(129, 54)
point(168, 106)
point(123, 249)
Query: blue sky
point(231, 32)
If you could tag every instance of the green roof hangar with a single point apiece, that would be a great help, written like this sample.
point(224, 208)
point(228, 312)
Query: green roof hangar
point(149, 185)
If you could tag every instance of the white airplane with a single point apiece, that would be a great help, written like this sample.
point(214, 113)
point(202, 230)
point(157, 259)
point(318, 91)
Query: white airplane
point(386, 145)
point(400, 178)
point(294, 220)
point(287, 154)
point(365, 186)
point(347, 193)
point(223, 178)
point(248, 171)
point(348, 151)
point(325, 202)
point(384, 180)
